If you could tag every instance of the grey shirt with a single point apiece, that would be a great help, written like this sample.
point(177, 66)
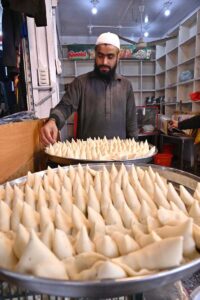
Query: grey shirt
point(104, 109)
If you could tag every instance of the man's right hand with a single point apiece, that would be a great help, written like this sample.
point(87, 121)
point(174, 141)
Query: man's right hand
point(49, 133)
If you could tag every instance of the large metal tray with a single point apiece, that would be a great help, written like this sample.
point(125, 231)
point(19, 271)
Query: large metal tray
point(110, 288)
point(65, 161)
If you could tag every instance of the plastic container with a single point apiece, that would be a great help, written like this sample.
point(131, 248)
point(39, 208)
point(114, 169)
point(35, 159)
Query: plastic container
point(167, 148)
point(163, 159)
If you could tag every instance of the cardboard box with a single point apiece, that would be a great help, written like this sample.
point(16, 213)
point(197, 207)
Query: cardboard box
point(20, 149)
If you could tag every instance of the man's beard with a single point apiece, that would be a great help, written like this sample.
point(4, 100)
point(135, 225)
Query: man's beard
point(109, 75)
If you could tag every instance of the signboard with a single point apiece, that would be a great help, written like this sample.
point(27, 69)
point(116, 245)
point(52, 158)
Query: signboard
point(87, 51)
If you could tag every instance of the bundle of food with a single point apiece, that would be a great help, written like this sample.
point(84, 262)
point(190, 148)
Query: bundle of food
point(101, 149)
point(80, 223)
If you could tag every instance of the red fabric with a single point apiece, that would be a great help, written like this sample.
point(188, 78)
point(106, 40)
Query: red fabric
point(195, 96)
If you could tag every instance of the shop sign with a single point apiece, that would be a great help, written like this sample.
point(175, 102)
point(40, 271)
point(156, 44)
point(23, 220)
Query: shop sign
point(87, 51)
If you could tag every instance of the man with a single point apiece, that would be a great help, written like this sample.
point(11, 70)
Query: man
point(103, 99)
point(191, 123)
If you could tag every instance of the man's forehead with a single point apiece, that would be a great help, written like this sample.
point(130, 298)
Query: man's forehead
point(106, 49)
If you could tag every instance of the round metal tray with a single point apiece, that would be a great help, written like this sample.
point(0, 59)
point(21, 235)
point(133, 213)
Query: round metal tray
point(110, 288)
point(64, 161)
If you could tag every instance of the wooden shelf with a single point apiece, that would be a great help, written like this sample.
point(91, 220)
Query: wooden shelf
point(187, 62)
point(181, 54)
point(172, 68)
point(172, 86)
point(185, 82)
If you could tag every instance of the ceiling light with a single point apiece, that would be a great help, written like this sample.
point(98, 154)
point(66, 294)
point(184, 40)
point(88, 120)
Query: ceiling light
point(94, 9)
point(167, 10)
point(146, 34)
point(146, 19)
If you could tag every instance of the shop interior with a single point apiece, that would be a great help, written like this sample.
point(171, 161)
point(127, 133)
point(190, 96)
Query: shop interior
point(81, 229)
point(163, 75)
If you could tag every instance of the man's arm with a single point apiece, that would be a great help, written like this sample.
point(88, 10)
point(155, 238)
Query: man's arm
point(58, 115)
point(68, 104)
point(191, 123)
point(131, 117)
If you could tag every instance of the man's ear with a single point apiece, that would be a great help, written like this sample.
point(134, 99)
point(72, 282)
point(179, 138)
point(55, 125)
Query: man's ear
point(118, 55)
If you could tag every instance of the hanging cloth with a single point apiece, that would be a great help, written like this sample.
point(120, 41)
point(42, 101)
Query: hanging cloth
point(11, 27)
point(32, 8)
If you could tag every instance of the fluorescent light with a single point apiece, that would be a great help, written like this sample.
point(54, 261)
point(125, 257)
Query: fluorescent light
point(146, 19)
point(146, 34)
point(167, 12)
point(94, 10)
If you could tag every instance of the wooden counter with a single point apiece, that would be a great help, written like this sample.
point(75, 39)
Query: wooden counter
point(20, 149)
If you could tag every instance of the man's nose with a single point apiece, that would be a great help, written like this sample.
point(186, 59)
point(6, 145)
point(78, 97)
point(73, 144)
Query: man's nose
point(105, 60)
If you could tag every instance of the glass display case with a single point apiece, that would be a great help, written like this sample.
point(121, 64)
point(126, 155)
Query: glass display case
point(147, 118)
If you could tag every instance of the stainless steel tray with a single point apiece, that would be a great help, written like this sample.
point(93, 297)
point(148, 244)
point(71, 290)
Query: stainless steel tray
point(110, 288)
point(64, 161)
point(99, 289)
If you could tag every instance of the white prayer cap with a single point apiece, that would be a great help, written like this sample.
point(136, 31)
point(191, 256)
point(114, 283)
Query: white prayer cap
point(108, 38)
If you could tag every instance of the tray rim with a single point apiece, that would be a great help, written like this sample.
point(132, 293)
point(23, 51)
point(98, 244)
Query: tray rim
point(96, 288)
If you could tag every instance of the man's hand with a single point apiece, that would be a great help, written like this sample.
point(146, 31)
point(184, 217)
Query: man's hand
point(173, 124)
point(49, 133)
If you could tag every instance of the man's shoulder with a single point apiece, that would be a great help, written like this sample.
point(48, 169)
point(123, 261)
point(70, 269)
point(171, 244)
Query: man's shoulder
point(124, 79)
point(85, 76)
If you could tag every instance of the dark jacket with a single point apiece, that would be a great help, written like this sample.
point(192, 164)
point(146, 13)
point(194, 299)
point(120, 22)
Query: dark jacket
point(191, 123)
point(103, 109)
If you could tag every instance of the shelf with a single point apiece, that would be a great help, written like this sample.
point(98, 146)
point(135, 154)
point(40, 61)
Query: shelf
point(148, 90)
point(153, 104)
point(175, 49)
point(187, 62)
point(130, 75)
point(184, 102)
point(171, 86)
point(160, 73)
point(188, 41)
point(197, 101)
point(172, 68)
point(169, 104)
point(162, 56)
point(148, 75)
point(186, 82)
point(160, 88)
